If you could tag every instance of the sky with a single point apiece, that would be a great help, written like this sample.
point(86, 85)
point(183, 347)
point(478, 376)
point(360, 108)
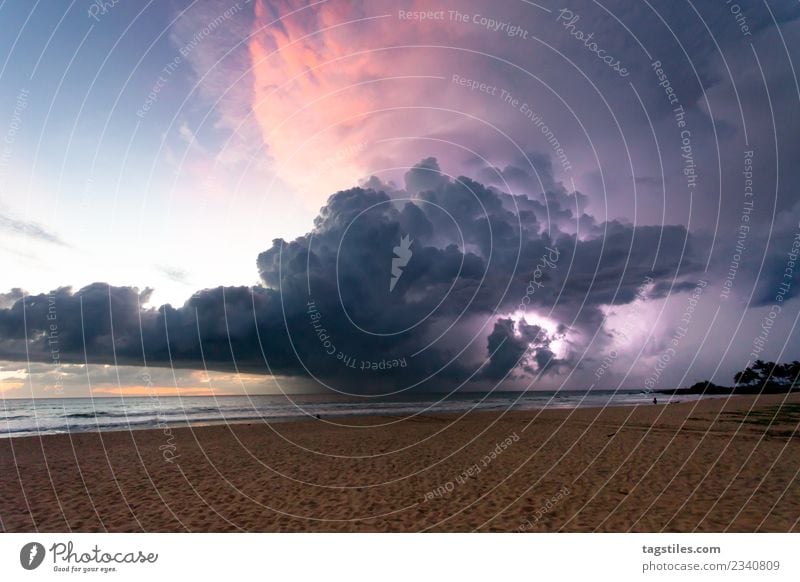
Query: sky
point(379, 197)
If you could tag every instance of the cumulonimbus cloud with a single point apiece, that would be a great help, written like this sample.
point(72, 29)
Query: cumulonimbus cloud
point(493, 283)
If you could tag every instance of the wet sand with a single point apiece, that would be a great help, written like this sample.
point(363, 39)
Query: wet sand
point(717, 465)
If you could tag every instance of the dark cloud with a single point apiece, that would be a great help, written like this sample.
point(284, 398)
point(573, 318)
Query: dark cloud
point(770, 259)
point(8, 299)
point(326, 308)
point(532, 172)
point(518, 345)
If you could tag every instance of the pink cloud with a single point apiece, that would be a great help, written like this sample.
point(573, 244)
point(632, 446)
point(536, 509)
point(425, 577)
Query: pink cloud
point(337, 85)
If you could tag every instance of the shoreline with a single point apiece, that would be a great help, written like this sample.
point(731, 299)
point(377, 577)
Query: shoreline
point(718, 464)
point(341, 416)
point(730, 400)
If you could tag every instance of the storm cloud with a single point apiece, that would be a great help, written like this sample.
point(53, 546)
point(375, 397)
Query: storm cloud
point(493, 280)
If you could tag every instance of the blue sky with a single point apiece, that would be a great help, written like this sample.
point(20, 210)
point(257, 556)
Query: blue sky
point(105, 181)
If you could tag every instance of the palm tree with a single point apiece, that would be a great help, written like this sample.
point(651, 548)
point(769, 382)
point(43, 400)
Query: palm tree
point(794, 373)
point(763, 369)
point(762, 373)
point(782, 373)
point(746, 376)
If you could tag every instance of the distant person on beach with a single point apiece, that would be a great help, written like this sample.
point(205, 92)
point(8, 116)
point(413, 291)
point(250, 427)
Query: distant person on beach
point(655, 400)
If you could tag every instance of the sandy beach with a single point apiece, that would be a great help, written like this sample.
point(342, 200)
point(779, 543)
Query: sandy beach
point(715, 465)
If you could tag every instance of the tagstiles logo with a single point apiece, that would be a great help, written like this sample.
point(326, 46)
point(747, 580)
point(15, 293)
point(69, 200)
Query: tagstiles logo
point(402, 254)
point(31, 555)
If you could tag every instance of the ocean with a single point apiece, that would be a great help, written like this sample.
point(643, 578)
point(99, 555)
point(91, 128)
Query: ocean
point(22, 417)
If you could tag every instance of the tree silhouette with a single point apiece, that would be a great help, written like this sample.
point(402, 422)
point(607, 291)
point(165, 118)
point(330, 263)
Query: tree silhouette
point(765, 373)
point(746, 376)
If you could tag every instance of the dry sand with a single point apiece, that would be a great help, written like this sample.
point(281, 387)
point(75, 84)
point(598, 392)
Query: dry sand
point(705, 466)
